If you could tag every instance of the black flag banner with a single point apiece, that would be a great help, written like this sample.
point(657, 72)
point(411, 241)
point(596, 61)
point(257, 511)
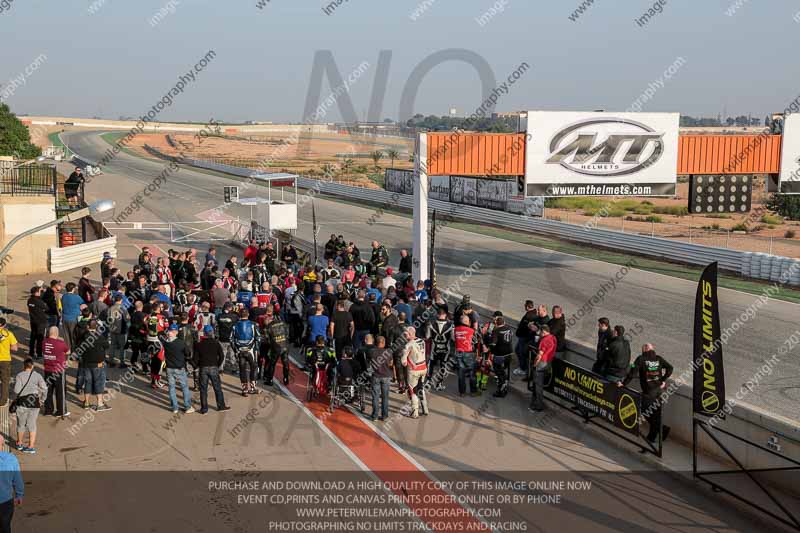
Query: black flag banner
point(709, 375)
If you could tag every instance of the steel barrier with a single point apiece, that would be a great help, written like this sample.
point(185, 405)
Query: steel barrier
point(683, 252)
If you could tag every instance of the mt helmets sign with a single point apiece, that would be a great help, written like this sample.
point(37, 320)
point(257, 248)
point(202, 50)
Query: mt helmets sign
point(586, 154)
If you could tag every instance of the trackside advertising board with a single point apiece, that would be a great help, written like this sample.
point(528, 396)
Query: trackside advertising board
point(790, 156)
point(601, 154)
point(619, 406)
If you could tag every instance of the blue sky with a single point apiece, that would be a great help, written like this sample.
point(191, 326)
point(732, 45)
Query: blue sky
point(114, 62)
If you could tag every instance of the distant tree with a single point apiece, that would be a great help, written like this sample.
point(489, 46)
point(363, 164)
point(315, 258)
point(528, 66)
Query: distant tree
point(742, 121)
point(768, 121)
point(729, 121)
point(15, 139)
point(376, 156)
point(392, 154)
point(786, 205)
point(328, 169)
point(388, 121)
point(347, 165)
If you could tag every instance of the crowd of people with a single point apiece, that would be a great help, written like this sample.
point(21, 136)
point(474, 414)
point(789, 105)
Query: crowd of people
point(354, 319)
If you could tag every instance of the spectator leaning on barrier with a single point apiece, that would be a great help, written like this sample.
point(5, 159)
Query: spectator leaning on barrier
point(524, 338)
point(8, 344)
point(541, 365)
point(653, 371)
point(12, 489)
point(603, 338)
point(29, 387)
point(72, 185)
point(619, 356)
point(558, 328)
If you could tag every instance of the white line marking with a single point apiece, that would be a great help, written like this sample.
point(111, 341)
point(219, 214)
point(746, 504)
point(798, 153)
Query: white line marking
point(294, 399)
point(388, 440)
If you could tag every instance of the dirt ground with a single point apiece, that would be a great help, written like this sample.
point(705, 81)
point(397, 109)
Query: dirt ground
point(287, 153)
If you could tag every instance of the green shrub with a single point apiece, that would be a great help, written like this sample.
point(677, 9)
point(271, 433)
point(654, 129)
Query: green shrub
point(654, 218)
point(627, 204)
point(718, 215)
point(790, 234)
point(786, 205)
point(741, 226)
point(644, 209)
point(647, 202)
point(771, 219)
point(575, 203)
point(616, 212)
point(676, 210)
point(590, 211)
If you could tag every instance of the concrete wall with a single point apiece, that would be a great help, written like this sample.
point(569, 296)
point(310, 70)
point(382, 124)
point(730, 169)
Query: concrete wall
point(156, 127)
point(18, 214)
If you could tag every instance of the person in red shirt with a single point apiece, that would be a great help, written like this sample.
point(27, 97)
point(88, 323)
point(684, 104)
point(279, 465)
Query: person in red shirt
point(251, 253)
point(547, 351)
point(465, 341)
point(55, 353)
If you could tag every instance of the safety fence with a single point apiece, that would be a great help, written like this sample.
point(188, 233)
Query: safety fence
point(22, 179)
point(646, 245)
point(67, 258)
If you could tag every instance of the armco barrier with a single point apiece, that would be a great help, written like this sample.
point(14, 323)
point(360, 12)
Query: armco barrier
point(683, 252)
point(62, 259)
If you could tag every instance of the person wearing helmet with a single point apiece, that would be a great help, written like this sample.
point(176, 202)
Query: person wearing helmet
point(245, 340)
point(320, 358)
point(347, 369)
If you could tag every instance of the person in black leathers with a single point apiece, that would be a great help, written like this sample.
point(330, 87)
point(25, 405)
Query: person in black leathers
point(37, 311)
point(379, 258)
point(276, 335)
point(330, 248)
point(603, 338)
point(501, 345)
point(619, 356)
point(653, 371)
point(225, 323)
point(439, 332)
